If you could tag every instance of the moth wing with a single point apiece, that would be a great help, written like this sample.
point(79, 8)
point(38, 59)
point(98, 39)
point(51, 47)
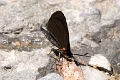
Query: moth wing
point(57, 27)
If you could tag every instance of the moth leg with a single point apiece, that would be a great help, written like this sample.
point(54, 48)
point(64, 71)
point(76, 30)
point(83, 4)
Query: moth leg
point(50, 51)
point(57, 53)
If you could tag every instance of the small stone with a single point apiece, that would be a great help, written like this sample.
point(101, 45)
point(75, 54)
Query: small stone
point(101, 61)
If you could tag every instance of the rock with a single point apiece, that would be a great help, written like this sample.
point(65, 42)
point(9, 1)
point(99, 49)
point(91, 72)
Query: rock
point(94, 74)
point(3, 2)
point(69, 70)
point(51, 76)
point(20, 75)
point(101, 61)
point(88, 1)
point(89, 42)
point(22, 65)
point(1, 58)
point(54, 2)
point(92, 18)
point(83, 16)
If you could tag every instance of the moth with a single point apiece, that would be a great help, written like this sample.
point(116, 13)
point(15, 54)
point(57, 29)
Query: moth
point(57, 33)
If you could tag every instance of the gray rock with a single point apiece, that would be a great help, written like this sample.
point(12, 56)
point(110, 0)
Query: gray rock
point(54, 2)
point(22, 65)
point(89, 42)
point(51, 76)
point(88, 1)
point(21, 75)
point(92, 18)
point(3, 2)
point(83, 16)
point(94, 74)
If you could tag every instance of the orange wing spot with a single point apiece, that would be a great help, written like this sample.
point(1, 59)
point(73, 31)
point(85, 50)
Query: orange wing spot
point(63, 49)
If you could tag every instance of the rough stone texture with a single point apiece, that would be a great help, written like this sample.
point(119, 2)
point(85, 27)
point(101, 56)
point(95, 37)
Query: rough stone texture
point(101, 61)
point(51, 76)
point(70, 71)
point(94, 20)
point(22, 65)
point(95, 74)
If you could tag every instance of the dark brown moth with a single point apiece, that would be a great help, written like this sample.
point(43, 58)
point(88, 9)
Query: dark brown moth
point(58, 34)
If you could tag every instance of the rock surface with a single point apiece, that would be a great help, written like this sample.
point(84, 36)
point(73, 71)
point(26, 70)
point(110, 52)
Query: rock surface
point(94, 28)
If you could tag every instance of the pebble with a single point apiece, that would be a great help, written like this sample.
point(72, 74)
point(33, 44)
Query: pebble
point(101, 61)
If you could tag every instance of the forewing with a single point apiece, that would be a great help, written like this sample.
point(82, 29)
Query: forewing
point(57, 27)
point(49, 37)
